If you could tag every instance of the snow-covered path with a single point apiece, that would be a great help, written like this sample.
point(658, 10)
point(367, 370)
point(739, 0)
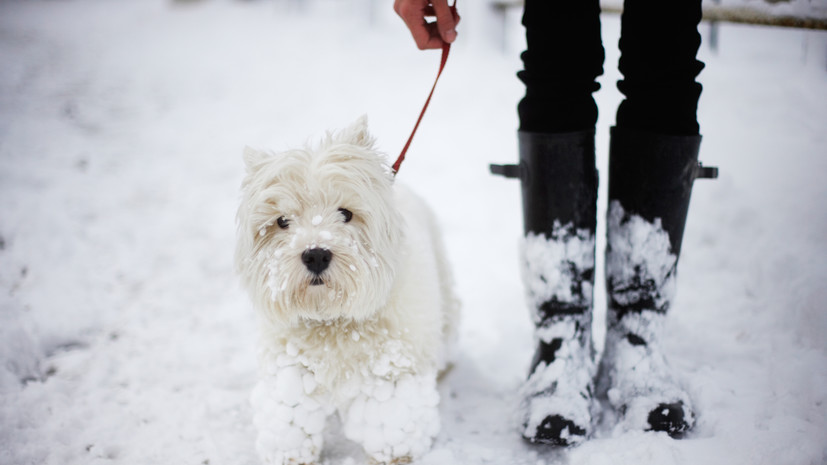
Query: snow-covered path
point(124, 337)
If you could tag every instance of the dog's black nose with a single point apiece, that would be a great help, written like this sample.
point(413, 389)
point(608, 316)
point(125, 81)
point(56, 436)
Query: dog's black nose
point(316, 260)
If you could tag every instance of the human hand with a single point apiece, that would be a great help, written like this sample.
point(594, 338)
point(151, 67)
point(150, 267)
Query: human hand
point(428, 35)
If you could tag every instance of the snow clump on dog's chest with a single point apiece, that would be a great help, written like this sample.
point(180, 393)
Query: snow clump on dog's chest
point(372, 351)
point(387, 400)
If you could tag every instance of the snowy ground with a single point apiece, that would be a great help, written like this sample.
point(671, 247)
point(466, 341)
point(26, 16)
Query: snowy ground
point(124, 337)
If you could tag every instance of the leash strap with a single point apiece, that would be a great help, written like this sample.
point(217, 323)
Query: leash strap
point(445, 49)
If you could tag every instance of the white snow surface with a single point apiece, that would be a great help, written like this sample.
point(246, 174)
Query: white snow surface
point(125, 338)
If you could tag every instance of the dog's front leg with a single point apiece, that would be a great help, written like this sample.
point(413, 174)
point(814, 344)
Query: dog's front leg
point(288, 417)
point(395, 421)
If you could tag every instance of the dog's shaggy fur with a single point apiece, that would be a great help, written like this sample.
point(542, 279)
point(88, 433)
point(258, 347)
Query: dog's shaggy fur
point(347, 272)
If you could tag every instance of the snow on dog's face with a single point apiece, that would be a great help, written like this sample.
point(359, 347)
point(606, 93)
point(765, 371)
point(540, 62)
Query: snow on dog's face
point(318, 232)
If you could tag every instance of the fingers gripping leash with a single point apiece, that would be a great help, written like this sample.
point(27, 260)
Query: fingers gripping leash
point(446, 48)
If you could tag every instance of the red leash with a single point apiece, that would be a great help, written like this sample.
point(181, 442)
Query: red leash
point(445, 49)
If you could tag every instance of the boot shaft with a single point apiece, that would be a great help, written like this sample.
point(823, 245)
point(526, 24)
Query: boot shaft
point(558, 181)
point(650, 184)
point(559, 196)
point(651, 175)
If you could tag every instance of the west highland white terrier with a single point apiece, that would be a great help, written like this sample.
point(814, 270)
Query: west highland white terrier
point(348, 274)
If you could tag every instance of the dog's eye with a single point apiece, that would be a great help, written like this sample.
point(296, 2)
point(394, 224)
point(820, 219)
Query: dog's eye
point(346, 213)
point(283, 222)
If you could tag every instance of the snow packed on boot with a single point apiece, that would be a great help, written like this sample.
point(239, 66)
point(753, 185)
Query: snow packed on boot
point(559, 271)
point(563, 387)
point(553, 268)
point(634, 376)
point(640, 265)
point(637, 381)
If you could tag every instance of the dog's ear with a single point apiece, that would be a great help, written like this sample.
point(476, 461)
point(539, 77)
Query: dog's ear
point(252, 159)
point(357, 133)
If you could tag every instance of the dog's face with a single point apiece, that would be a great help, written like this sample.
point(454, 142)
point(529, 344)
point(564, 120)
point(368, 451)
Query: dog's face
point(318, 231)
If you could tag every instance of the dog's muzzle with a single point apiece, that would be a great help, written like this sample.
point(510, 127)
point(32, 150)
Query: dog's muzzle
point(316, 261)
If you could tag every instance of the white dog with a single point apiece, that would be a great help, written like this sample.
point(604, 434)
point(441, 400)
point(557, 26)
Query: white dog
point(347, 272)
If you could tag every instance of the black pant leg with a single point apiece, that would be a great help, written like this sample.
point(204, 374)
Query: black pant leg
point(563, 57)
point(659, 43)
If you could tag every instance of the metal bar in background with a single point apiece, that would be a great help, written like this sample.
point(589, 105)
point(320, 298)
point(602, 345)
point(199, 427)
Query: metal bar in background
point(743, 15)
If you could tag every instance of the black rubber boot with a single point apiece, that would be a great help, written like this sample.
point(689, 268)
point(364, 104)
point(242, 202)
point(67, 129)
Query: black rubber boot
point(650, 182)
point(559, 190)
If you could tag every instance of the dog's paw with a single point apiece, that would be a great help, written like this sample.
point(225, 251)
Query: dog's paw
point(395, 421)
point(289, 421)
